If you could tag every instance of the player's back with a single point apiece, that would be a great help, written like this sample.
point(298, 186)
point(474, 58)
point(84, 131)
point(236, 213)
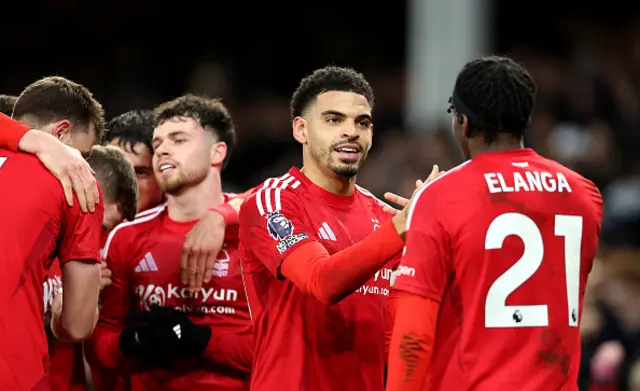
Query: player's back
point(32, 209)
point(524, 236)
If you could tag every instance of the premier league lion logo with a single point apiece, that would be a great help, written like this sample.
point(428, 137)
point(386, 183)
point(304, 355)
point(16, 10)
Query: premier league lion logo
point(279, 227)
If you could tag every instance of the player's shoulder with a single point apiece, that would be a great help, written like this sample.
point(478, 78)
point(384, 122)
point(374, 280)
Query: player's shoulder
point(576, 182)
point(274, 194)
point(24, 165)
point(126, 232)
point(374, 203)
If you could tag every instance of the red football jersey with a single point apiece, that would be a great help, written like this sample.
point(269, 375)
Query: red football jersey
point(144, 257)
point(38, 225)
point(302, 344)
point(505, 242)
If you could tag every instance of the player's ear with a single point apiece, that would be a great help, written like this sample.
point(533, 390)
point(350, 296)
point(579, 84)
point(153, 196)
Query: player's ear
point(60, 128)
point(218, 153)
point(300, 130)
point(464, 123)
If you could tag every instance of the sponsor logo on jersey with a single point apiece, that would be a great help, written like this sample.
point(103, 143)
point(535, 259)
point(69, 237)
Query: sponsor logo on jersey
point(206, 300)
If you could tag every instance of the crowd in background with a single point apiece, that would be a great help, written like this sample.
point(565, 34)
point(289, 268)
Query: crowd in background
point(587, 117)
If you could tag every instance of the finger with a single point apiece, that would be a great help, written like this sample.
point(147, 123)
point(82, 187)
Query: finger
point(200, 271)
point(434, 173)
point(106, 273)
point(67, 187)
point(396, 199)
point(419, 183)
point(78, 189)
point(209, 263)
point(184, 262)
point(105, 282)
point(90, 190)
point(192, 268)
point(390, 210)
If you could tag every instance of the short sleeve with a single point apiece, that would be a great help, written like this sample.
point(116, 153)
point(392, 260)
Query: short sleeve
point(426, 260)
point(271, 227)
point(81, 234)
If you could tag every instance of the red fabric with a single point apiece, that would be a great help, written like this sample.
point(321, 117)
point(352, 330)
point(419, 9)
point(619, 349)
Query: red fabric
point(505, 243)
point(229, 214)
point(412, 342)
point(144, 258)
point(11, 131)
point(301, 343)
point(42, 225)
point(330, 278)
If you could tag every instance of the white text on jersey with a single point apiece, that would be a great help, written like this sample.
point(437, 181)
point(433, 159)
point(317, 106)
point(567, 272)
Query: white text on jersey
point(527, 181)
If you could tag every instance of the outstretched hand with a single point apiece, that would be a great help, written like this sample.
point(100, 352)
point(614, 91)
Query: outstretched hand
point(405, 202)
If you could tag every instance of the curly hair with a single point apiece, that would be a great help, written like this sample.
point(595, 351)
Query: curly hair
point(496, 94)
point(208, 112)
point(329, 78)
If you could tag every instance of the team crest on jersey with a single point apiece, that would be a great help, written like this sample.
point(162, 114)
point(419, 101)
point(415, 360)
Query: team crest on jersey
point(279, 227)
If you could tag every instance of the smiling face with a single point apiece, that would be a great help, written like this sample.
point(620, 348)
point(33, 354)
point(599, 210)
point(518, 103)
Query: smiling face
point(182, 154)
point(336, 131)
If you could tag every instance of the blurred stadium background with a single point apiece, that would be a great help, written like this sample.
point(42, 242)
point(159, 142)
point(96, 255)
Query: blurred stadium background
point(585, 59)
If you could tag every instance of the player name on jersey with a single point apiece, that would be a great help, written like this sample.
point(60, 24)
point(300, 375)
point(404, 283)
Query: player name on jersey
point(552, 182)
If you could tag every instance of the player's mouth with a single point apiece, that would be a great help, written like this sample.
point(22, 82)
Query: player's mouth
point(348, 152)
point(166, 167)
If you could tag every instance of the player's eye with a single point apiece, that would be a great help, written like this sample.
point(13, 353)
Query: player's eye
point(332, 120)
point(179, 141)
point(364, 124)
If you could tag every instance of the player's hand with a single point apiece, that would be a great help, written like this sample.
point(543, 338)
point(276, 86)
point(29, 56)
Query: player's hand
point(200, 250)
point(105, 275)
point(403, 202)
point(68, 165)
point(400, 218)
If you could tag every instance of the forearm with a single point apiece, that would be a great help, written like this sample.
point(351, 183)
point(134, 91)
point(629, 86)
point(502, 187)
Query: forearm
point(330, 278)
point(412, 342)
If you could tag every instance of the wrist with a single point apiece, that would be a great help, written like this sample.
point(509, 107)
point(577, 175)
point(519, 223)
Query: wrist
point(400, 223)
point(33, 141)
point(228, 213)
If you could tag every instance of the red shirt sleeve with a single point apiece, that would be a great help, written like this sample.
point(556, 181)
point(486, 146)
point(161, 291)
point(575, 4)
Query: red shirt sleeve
point(426, 261)
point(81, 236)
point(230, 349)
point(412, 342)
point(272, 234)
point(102, 348)
point(11, 131)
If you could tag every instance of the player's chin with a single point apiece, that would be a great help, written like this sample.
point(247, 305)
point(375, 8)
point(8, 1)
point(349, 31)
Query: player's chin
point(347, 170)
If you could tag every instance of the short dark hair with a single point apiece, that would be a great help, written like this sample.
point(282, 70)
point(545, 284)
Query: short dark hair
point(496, 94)
point(55, 98)
point(208, 112)
point(329, 78)
point(131, 128)
point(117, 178)
point(6, 104)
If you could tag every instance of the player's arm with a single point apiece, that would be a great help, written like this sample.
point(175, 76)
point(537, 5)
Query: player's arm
point(304, 261)
point(205, 240)
point(64, 162)
point(230, 349)
point(420, 282)
point(79, 255)
point(102, 350)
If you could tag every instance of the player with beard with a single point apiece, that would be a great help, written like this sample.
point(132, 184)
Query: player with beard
point(177, 341)
point(40, 227)
point(317, 250)
point(498, 253)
